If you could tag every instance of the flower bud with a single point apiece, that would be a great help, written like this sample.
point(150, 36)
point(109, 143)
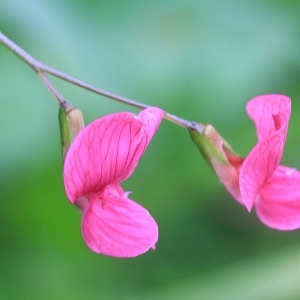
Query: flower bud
point(71, 123)
point(219, 155)
point(210, 143)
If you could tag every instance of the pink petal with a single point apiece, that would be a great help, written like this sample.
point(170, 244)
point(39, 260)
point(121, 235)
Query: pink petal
point(151, 118)
point(229, 174)
point(279, 203)
point(116, 226)
point(271, 115)
point(107, 151)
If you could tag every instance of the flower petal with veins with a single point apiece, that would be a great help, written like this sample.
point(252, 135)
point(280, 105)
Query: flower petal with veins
point(271, 115)
point(103, 154)
point(108, 150)
point(278, 205)
point(268, 113)
point(116, 226)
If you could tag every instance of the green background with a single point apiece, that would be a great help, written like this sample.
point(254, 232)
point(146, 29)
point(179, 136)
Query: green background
point(200, 60)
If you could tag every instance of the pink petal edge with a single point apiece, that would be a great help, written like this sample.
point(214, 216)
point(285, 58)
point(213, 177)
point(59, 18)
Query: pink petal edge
point(278, 206)
point(264, 158)
point(265, 110)
point(229, 174)
point(116, 226)
point(107, 151)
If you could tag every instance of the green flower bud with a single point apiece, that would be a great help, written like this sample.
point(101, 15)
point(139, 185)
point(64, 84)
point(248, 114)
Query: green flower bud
point(71, 123)
point(219, 155)
point(210, 143)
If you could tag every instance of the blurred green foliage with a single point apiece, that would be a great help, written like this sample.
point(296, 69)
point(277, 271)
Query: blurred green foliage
point(201, 60)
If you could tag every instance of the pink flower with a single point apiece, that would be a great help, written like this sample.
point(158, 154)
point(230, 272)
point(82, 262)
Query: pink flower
point(273, 189)
point(258, 180)
point(104, 154)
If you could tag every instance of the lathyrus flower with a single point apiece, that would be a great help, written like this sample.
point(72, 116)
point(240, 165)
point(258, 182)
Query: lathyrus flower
point(258, 180)
point(102, 155)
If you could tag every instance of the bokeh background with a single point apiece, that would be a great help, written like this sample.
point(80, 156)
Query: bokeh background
point(201, 60)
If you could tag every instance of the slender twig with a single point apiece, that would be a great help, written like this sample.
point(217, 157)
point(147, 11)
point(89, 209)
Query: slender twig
point(60, 99)
point(22, 54)
point(41, 68)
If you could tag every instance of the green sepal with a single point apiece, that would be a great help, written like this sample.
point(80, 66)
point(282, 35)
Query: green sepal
point(210, 143)
point(70, 123)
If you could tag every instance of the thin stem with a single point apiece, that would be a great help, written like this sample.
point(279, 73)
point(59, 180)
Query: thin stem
point(41, 68)
point(179, 121)
point(21, 53)
point(60, 99)
point(91, 87)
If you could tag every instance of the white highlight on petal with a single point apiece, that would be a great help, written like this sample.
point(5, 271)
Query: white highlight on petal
point(126, 194)
point(290, 171)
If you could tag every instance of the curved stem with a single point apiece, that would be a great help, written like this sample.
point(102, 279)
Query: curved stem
point(41, 68)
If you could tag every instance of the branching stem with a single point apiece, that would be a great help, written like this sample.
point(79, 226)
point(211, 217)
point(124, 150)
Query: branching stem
point(41, 68)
